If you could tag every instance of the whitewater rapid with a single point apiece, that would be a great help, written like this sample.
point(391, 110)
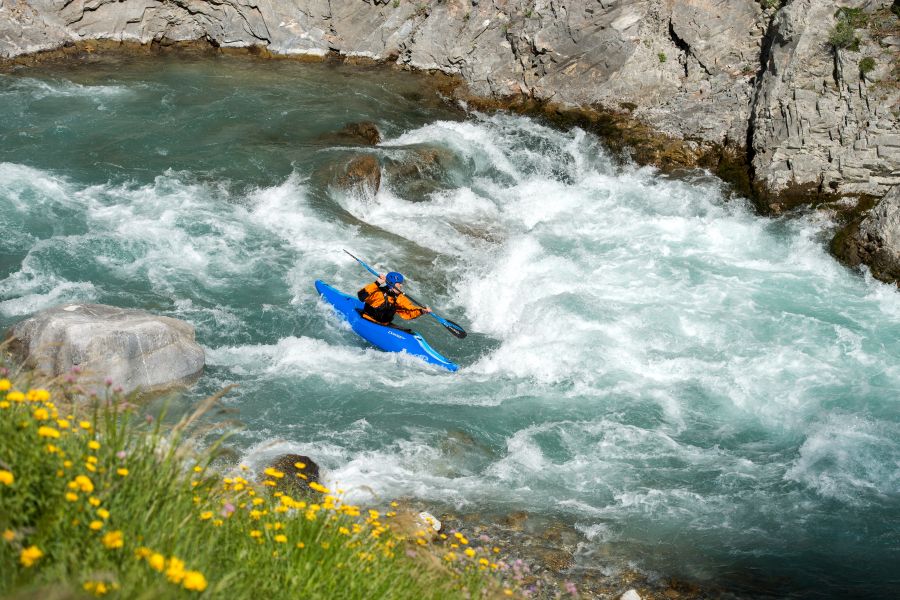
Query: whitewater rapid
point(649, 359)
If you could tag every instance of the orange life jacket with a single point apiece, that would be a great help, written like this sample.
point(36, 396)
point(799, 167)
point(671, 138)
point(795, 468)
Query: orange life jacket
point(382, 303)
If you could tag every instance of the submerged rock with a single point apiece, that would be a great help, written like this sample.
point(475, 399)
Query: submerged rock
point(416, 172)
point(133, 348)
point(364, 133)
point(362, 173)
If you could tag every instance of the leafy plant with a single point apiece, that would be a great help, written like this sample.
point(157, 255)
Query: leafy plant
point(866, 65)
point(662, 57)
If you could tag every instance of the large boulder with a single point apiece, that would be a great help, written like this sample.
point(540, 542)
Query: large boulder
point(133, 348)
point(363, 173)
point(296, 473)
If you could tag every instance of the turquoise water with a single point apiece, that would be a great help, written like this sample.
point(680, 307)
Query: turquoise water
point(702, 392)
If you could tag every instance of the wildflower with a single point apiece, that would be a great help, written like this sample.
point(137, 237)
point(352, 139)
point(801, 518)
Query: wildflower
point(71, 497)
point(301, 545)
point(281, 538)
point(98, 588)
point(217, 522)
point(142, 552)
point(38, 395)
point(9, 535)
point(121, 454)
point(194, 581)
point(270, 472)
point(90, 467)
point(122, 472)
point(227, 509)
point(91, 460)
point(450, 557)
point(483, 562)
point(496, 550)
point(4, 404)
point(269, 483)
point(157, 562)
point(320, 488)
point(343, 531)
point(94, 501)
point(5, 384)
point(326, 545)
point(30, 555)
point(206, 515)
point(48, 432)
point(507, 592)
point(6, 477)
point(257, 501)
point(175, 570)
point(197, 468)
point(113, 540)
point(67, 464)
point(40, 414)
point(85, 425)
point(15, 396)
point(300, 465)
point(394, 505)
point(571, 589)
point(421, 542)
point(256, 533)
point(103, 513)
point(96, 525)
point(62, 423)
point(94, 445)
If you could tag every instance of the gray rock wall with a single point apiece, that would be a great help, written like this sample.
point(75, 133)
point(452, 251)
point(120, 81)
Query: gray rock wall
point(711, 72)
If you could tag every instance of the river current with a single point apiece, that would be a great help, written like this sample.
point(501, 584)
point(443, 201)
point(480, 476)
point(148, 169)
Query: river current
point(700, 391)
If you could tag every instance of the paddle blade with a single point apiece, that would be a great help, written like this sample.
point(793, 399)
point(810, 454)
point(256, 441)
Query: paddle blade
point(454, 328)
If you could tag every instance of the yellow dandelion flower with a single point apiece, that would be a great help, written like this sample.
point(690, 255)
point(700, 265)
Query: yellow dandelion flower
point(4, 404)
point(103, 513)
point(15, 396)
point(96, 525)
point(40, 414)
point(85, 425)
point(281, 538)
point(39, 395)
point(194, 581)
point(507, 591)
point(197, 468)
point(483, 561)
point(9, 535)
point(326, 545)
point(48, 432)
point(157, 562)
point(496, 550)
point(319, 488)
point(257, 501)
point(94, 501)
point(421, 542)
point(30, 555)
point(301, 545)
point(270, 472)
point(450, 557)
point(143, 552)
point(67, 464)
point(113, 540)
point(217, 523)
point(122, 472)
point(175, 570)
point(71, 496)
point(6, 477)
point(206, 515)
point(91, 460)
point(62, 423)
point(300, 465)
point(94, 445)
point(90, 467)
point(5, 384)
point(255, 533)
point(343, 531)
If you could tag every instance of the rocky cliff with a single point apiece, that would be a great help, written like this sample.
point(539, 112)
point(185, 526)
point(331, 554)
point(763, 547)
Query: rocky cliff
point(806, 90)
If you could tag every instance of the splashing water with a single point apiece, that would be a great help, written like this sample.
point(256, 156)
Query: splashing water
point(701, 391)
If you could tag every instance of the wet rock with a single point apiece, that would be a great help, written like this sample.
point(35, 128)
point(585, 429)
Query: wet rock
point(362, 133)
point(133, 348)
point(299, 471)
point(630, 595)
point(363, 173)
point(415, 173)
point(515, 520)
point(874, 239)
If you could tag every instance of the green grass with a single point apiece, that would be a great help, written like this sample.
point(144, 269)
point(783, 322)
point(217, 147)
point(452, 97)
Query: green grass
point(95, 501)
point(866, 65)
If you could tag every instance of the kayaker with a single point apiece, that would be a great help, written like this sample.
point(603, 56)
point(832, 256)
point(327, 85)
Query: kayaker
point(384, 298)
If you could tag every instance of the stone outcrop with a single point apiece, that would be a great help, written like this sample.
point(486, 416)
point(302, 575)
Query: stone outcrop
point(363, 174)
point(820, 125)
point(133, 348)
point(875, 239)
point(297, 472)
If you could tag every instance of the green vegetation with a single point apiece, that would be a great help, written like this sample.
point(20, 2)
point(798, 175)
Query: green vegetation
point(662, 57)
point(895, 8)
point(396, 3)
point(769, 4)
point(843, 34)
point(866, 65)
point(95, 500)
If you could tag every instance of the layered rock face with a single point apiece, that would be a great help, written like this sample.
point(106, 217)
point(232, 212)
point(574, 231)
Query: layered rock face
point(134, 348)
point(875, 239)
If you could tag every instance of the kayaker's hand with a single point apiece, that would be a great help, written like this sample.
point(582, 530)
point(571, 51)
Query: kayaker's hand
point(381, 280)
point(426, 309)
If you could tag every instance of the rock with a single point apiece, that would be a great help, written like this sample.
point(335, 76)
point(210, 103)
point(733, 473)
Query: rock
point(364, 133)
point(299, 471)
point(630, 595)
point(362, 173)
point(417, 172)
point(429, 523)
point(875, 239)
point(133, 348)
point(515, 520)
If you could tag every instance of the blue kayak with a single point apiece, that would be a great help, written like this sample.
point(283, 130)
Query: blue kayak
point(390, 339)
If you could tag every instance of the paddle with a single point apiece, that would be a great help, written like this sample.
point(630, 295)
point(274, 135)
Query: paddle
point(448, 325)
